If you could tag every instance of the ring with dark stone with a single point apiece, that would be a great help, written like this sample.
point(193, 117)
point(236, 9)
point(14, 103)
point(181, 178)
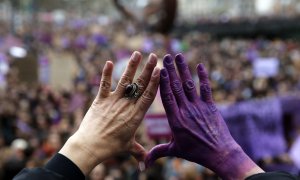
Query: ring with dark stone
point(132, 91)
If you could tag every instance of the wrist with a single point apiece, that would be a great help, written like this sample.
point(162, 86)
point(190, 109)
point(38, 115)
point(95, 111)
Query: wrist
point(236, 165)
point(82, 154)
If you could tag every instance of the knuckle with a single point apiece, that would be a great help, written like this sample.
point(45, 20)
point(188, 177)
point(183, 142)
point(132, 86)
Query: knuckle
point(148, 95)
point(125, 80)
point(204, 77)
point(141, 83)
point(212, 107)
point(154, 80)
point(131, 64)
point(205, 91)
point(176, 87)
point(149, 67)
point(168, 98)
point(105, 85)
point(189, 85)
point(146, 99)
point(184, 68)
point(170, 67)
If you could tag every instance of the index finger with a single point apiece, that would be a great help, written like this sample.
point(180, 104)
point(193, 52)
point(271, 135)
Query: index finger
point(168, 100)
point(174, 82)
point(167, 96)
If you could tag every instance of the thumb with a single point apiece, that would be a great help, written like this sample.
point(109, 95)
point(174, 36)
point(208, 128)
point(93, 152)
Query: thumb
point(161, 150)
point(139, 153)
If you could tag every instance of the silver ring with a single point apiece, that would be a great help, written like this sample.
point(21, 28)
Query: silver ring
point(132, 91)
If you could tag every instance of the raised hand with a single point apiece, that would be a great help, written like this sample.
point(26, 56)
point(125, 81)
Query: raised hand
point(199, 132)
point(109, 126)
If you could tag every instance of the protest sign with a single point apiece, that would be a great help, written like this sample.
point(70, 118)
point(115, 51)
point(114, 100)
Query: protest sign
point(157, 126)
point(257, 126)
point(265, 67)
point(62, 70)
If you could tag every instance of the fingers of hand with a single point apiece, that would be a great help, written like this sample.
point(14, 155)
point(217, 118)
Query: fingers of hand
point(167, 96)
point(149, 94)
point(186, 77)
point(156, 152)
point(168, 100)
point(175, 82)
point(205, 88)
point(144, 78)
point(129, 73)
point(138, 152)
point(105, 83)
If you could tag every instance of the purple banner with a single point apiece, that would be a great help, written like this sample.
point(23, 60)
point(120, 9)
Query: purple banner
point(157, 126)
point(257, 126)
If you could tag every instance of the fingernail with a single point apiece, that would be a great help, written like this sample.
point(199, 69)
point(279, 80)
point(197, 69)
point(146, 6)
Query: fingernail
point(141, 166)
point(107, 65)
point(168, 59)
point(135, 56)
point(156, 72)
point(164, 73)
point(200, 67)
point(179, 58)
point(152, 58)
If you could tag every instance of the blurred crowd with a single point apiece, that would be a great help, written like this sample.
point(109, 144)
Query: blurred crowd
point(37, 118)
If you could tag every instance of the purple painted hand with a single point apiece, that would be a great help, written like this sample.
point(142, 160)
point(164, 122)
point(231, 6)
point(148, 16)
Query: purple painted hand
point(200, 134)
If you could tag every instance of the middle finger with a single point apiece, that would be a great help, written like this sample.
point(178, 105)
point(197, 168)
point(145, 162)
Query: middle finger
point(175, 82)
point(144, 78)
point(129, 73)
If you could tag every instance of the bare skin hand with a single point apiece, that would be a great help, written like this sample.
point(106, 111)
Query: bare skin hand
point(110, 124)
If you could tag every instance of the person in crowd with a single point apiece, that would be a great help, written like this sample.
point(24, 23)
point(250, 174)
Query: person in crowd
point(199, 132)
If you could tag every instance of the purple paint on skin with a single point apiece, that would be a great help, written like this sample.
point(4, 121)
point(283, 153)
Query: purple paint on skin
point(186, 77)
point(199, 133)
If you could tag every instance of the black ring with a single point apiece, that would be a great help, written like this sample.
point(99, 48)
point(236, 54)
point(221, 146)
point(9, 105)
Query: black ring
point(132, 91)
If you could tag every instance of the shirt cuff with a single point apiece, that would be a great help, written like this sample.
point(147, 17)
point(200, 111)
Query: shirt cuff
point(64, 166)
point(279, 175)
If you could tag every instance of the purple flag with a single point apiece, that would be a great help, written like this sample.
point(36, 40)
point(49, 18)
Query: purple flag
point(257, 126)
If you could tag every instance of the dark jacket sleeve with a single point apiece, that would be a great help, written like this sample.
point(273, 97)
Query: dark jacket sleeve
point(59, 167)
point(273, 176)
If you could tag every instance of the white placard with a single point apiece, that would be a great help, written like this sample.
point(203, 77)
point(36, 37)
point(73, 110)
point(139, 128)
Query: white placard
point(265, 67)
point(157, 126)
